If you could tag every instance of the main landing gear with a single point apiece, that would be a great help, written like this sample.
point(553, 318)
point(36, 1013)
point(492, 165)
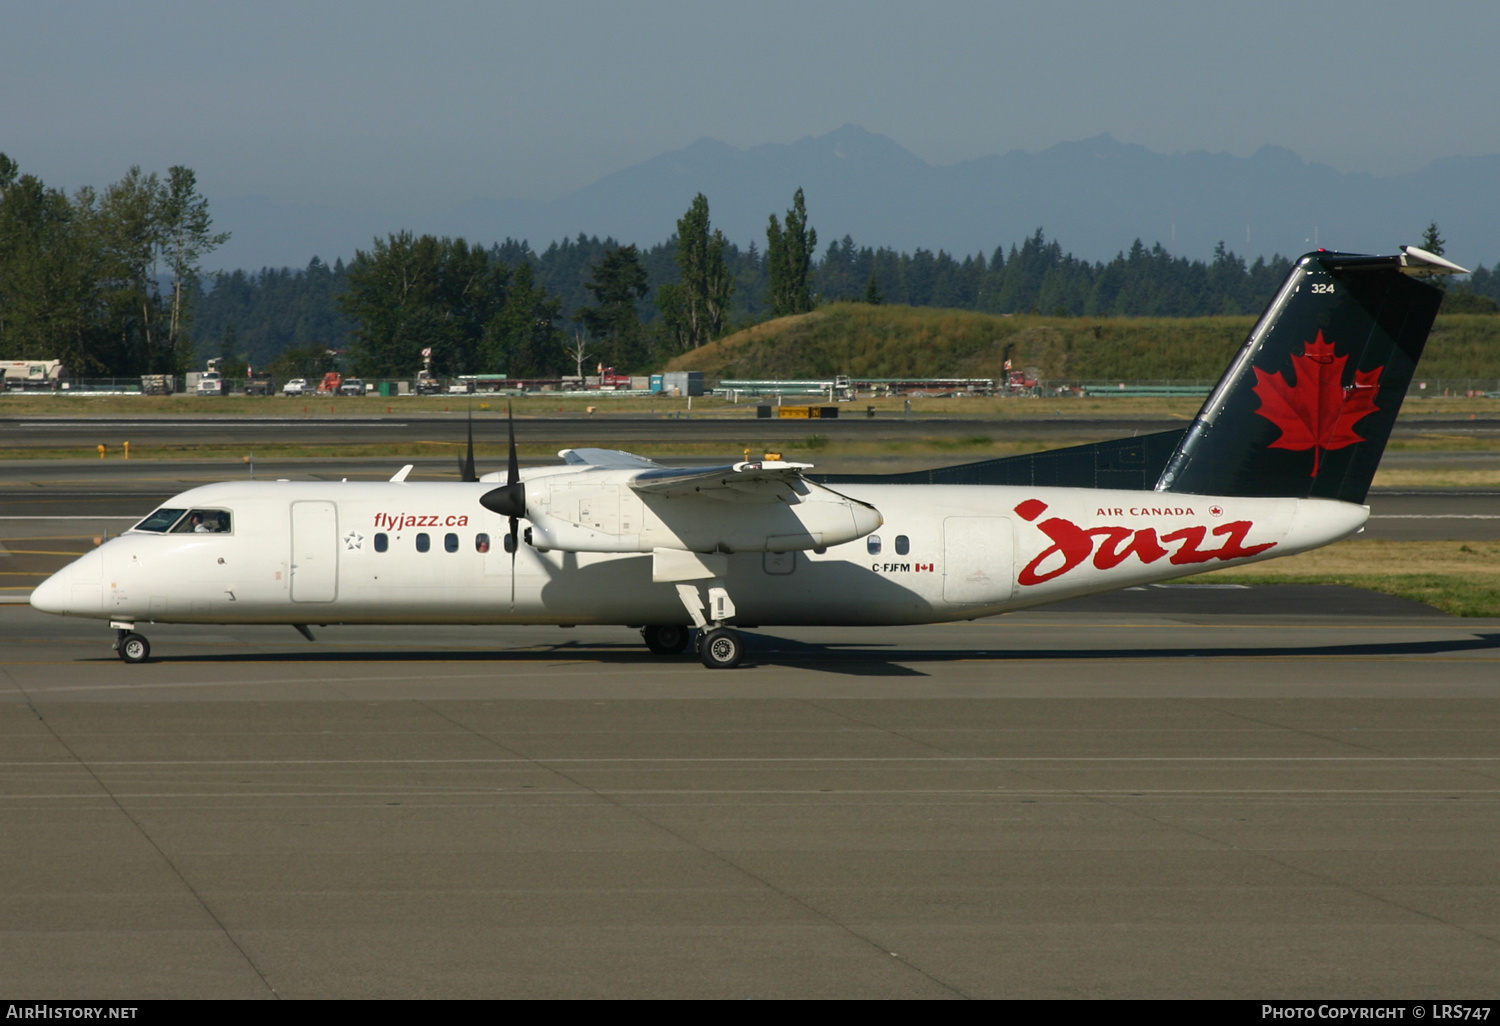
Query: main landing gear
point(720, 648)
point(667, 639)
point(130, 646)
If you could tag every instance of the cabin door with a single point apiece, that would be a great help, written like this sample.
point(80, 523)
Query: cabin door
point(315, 551)
point(978, 559)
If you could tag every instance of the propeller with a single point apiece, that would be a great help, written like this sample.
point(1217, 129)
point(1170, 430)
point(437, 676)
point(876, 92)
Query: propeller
point(466, 463)
point(509, 500)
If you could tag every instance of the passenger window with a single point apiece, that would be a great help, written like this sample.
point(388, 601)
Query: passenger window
point(450, 543)
point(872, 544)
point(382, 542)
point(481, 543)
point(423, 543)
point(903, 545)
point(161, 520)
point(204, 521)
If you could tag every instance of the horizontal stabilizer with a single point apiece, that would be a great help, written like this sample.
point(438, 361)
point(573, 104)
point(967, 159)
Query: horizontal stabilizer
point(1419, 261)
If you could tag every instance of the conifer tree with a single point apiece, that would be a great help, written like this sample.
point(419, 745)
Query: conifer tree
point(617, 283)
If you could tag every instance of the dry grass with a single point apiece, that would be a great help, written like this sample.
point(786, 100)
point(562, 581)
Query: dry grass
point(1435, 477)
point(1461, 578)
point(899, 341)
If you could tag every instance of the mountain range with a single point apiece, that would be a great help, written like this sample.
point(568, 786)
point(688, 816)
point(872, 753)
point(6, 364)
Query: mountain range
point(1095, 196)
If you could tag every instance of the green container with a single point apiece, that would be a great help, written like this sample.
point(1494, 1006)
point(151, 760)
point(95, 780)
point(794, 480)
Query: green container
point(385, 389)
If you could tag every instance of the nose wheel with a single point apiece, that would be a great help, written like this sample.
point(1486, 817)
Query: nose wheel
point(132, 647)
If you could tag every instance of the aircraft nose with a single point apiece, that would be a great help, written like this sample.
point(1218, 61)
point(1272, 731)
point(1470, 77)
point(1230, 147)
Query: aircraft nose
point(53, 594)
point(76, 589)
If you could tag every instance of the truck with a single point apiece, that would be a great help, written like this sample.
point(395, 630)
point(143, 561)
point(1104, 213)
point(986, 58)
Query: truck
point(33, 374)
point(609, 378)
point(330, 383)
point(212, 383)
point(259, 384)
point(427, 384)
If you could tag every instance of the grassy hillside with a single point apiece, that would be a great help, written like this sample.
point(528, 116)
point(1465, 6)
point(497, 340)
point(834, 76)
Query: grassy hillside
point(902, 341)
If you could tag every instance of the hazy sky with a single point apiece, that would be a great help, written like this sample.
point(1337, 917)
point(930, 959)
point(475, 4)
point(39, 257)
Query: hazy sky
point(421, 106)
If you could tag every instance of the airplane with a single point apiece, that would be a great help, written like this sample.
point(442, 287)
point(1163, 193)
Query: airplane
point(1278, 461)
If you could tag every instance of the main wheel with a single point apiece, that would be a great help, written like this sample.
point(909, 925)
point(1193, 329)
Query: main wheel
point(134, 648)
point(721, 649)
point(665, 639)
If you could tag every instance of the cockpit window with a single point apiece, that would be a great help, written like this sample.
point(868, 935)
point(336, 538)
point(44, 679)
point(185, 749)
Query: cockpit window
point(161, 520)
point(204, 521)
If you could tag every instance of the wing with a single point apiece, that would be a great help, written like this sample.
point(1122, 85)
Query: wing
point(605, 458)
point(764, 481)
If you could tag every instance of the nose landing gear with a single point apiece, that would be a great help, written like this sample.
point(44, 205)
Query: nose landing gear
point(131, 647)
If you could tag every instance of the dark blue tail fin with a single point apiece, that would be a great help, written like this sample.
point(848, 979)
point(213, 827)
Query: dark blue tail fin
point(1308, 404)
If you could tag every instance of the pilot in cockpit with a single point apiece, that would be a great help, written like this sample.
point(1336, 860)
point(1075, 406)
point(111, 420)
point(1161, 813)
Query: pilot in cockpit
point(206, 521)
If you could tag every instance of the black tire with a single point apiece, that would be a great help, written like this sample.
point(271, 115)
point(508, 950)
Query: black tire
point(666, 639)
point(721, 649)
point(134, 648)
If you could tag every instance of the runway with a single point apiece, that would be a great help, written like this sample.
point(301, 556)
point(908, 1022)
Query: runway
point(1049, 804)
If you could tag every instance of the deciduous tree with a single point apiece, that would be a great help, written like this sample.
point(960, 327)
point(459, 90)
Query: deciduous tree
point(789, 255)
point(694, 309)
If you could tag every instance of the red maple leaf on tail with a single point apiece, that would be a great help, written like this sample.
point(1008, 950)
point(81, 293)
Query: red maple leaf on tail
point(1318, 412)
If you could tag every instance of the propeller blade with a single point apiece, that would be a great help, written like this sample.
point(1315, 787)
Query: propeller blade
point(512, 543)
point(509, 500)
point(513, 465)
point(466, 465)
point(515, 499)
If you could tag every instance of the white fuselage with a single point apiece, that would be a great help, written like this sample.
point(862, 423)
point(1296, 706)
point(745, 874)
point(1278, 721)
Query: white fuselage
point(306, 553)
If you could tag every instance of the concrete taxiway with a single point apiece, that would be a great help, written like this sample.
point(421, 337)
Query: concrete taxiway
point(1172, 791)
point(1134, 800)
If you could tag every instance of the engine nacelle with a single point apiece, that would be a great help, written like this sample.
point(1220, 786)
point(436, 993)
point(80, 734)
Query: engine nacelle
point(577, 517)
